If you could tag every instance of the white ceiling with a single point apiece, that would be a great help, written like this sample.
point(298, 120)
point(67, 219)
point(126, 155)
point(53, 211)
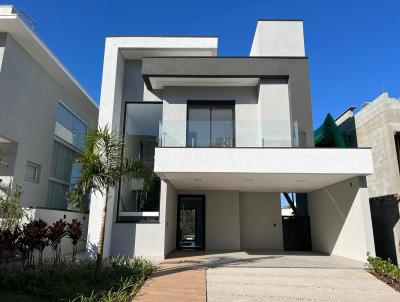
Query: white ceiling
point(253, 182)
point(161, 82)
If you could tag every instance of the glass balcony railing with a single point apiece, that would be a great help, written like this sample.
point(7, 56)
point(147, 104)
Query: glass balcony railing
point(226, 134)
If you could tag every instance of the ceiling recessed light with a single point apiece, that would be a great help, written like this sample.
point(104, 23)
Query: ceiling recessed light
point(197, 179)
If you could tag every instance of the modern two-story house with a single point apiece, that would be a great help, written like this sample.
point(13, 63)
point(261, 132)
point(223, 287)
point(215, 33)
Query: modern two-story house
point(225, 137)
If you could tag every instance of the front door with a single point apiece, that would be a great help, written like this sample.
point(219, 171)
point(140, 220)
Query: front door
point(191, 222)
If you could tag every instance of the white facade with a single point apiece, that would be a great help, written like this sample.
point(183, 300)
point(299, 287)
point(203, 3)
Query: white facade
point(34, 85)
point(225, 146)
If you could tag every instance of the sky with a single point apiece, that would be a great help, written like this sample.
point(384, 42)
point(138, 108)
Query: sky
point(353, 46)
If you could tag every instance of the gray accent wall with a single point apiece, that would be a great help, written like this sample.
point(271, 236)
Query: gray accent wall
point(29, 99)
point(134, 89)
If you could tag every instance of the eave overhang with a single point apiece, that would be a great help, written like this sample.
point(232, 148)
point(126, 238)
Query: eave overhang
point(182, 71)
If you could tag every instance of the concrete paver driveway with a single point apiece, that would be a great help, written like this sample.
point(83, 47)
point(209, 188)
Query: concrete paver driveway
point(292, 277)
point(263, 276)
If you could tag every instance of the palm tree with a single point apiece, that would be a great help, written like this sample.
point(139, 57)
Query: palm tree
point(102, 167)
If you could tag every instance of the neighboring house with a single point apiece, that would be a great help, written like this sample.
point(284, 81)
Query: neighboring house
point(377, 125)
point(225, 136)
point(44, 116)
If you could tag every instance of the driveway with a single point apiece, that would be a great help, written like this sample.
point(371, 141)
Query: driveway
point(265, 276)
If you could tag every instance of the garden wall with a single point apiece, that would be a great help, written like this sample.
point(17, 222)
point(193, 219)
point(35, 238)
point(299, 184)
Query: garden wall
point(50, 216)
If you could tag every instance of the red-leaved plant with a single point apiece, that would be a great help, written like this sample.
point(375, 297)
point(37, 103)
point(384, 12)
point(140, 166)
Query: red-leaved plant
point(34, 237)
point(57, 232)
point(8, 240)
point(74, 232)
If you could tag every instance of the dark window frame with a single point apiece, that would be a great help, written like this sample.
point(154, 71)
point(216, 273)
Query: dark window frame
point(220, 104)
point(178, 208)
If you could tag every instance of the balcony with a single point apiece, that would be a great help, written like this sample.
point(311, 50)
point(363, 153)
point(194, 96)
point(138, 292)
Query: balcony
point(229, 134)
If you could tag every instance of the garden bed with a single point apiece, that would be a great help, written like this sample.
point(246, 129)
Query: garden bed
point(385, 271)
point(67, 281)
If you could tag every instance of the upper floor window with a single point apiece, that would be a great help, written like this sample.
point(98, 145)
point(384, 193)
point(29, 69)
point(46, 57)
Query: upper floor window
point(210, 124)
point(70, 127)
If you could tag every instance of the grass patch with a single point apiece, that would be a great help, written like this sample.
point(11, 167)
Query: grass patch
point(67, 281)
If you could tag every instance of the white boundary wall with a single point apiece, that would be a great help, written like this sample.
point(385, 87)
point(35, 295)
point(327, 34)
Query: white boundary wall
point(340, 220)
point(50, 216)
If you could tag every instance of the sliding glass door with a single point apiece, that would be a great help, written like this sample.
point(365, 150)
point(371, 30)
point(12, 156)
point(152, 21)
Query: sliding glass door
point(210, 124)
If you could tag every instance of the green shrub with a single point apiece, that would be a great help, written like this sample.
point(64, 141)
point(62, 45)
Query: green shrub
point(384, 267)
point(76, 282)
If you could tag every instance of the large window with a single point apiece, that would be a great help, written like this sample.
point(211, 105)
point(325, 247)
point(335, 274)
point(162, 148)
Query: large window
point(70, 132)
point(210, 124)
point(141, 136)
point(73, 129)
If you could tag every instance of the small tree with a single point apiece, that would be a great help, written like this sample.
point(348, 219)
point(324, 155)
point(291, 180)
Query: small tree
point(74, 232)
point(57, 232)
point(11, 211)
point(102, 167)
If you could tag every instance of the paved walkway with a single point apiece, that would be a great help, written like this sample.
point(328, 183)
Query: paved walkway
point(255, 276)
point(176, 280)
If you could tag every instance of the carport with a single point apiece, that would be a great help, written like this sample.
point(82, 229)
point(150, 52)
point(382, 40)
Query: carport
point(242, 204)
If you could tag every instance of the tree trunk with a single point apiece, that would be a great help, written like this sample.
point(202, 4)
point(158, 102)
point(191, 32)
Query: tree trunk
point(99, 257)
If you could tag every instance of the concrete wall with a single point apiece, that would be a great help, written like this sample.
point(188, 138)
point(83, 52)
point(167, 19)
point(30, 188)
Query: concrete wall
point(376, 125)
point(170, 219)
point(260, 221)
point(278, 38)
point(340, 220)
point(274, 113)
point(29, 98)
point(222, 220)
